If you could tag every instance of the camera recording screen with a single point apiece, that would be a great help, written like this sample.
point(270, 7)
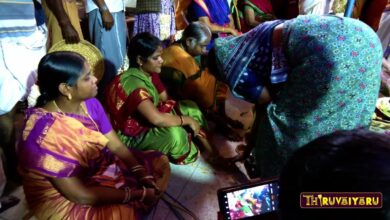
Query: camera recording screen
point(252, 201)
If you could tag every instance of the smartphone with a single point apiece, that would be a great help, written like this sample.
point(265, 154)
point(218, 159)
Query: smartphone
point(249, 201)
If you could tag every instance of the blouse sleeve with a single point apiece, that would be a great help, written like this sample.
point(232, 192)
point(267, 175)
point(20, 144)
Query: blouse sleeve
point(96, 110)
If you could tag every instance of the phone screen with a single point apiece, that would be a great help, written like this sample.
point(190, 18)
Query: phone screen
point(251, 201)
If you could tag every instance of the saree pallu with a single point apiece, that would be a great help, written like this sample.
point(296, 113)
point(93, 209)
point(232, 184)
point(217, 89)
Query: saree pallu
point(55, 145)
point(246, 61)
point(182, 73)
point(333, 85)
point(131, 88)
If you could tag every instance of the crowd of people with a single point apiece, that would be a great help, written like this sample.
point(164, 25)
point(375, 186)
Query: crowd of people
point(103, 152)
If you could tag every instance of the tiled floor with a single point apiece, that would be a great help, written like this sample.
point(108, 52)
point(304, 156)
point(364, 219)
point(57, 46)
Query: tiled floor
point(20, 210)
point(194, 185)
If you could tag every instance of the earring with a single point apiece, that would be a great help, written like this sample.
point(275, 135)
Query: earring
point(69, 96)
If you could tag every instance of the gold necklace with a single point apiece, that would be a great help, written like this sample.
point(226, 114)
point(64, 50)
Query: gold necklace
point(58, 108)
point(90, 118)
point(84, 111)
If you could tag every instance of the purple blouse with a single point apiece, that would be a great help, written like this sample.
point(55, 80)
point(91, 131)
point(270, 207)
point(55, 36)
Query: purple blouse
point(97, 113)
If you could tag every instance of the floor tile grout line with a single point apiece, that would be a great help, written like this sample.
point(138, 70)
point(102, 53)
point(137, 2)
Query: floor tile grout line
point(190, 178)
point(184, 185)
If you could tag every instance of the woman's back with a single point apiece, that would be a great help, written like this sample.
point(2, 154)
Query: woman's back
point(333, 85)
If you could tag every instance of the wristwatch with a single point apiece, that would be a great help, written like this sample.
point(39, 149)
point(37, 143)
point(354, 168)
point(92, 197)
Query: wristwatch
point(103, 8)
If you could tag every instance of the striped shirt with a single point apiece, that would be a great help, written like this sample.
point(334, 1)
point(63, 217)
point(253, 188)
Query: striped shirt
point(17, 18)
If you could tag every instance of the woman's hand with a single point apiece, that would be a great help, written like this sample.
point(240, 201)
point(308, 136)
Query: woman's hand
point(234, 32)
point(149, 182)
point(151, 197)
point(194, 125)
point(143, 177)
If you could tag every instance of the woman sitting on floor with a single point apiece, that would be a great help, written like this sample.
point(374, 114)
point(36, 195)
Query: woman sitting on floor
point(186, 78)
point(215, 14)
point(311, 76)
point(142, 113)
point(72, 162)
point(253, 12)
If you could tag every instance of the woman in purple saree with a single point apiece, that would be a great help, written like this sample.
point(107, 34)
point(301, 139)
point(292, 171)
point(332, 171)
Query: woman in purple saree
point(72, 163)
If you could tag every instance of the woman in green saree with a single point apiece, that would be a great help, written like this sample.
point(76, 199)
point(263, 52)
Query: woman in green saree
point(143, 114)
point(253, 12)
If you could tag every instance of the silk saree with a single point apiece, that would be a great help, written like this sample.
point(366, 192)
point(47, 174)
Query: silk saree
point(58, 145)
point(131, 88)
point(328, 72)
point(333, 84)
point(191, 81)
point(262, 10)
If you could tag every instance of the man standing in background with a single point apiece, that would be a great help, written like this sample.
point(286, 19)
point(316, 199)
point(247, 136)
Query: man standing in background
point(108, 32)
point(62, 21)
point(21, 47)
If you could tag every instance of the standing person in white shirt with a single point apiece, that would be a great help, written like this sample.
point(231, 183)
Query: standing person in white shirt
point(21, 47)
point(108, 32)
point(318, 7)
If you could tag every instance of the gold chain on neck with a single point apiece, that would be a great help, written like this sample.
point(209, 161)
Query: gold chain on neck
point(90, 118)
point(84, 111)
point(58, 108)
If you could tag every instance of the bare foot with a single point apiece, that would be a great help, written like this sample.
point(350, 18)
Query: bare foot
point(242, 153)
point(234, 123)
point(230, 134)
point(219, 162)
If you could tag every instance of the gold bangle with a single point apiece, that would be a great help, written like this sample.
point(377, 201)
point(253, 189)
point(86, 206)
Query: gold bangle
point(147, 177)
point(127, 195)
point(136, 168)
point(143, 194)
